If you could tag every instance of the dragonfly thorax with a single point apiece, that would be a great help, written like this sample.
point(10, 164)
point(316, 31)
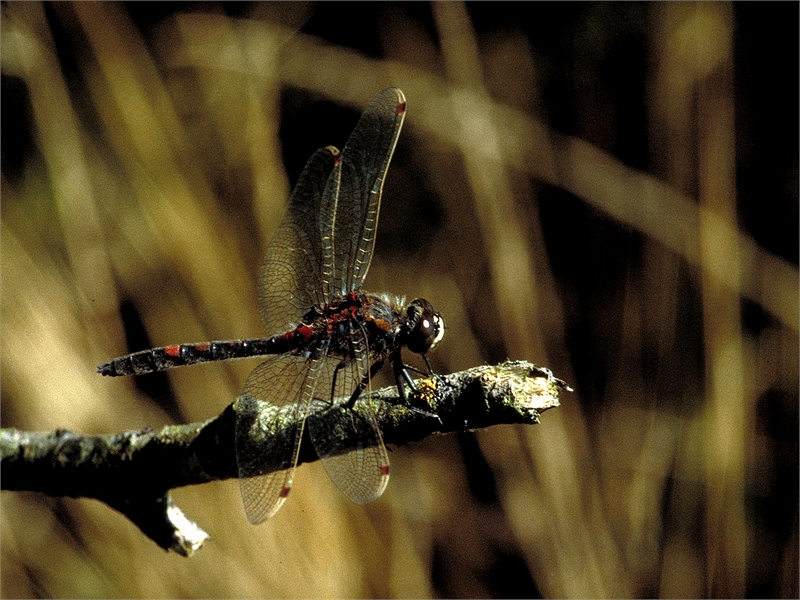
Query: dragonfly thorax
point(387, 323)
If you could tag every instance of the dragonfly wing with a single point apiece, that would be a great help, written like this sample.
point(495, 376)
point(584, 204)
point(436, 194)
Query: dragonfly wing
point(348, 440)
point(289, 280)
point(351, 201)
point(270, 416)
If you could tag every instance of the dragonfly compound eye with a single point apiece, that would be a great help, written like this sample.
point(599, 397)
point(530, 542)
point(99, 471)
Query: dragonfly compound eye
point(426, 326)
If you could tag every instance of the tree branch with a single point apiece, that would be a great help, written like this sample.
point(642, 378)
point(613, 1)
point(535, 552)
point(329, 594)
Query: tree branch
point(133, 471)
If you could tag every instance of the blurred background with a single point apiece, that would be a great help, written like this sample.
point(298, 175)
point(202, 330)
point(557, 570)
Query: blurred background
point(607, 190)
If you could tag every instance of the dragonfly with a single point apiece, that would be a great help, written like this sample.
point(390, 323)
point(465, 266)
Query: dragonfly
point(328, 338)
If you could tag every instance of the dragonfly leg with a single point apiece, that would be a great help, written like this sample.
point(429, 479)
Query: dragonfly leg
point(430, 372)
point(404, 379)
point(338, 368)
point(363, 384)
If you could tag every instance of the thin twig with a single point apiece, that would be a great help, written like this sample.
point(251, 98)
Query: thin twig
point(133, 471)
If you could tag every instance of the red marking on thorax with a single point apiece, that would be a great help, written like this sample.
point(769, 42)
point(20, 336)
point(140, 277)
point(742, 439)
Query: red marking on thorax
point(285, 491)
point(172, 350)
point(347, 310)
point(298, 336)
point(203, 347)
point(385, 470)
point(304, 332)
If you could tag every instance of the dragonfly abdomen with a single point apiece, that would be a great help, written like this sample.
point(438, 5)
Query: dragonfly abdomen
point(159, 359)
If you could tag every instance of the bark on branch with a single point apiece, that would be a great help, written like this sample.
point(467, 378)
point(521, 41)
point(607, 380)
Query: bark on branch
point(134, 470)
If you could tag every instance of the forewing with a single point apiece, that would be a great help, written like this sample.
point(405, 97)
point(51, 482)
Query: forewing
point(290, 276)
point(270, 415)
point(348, 440)
point(352, 196)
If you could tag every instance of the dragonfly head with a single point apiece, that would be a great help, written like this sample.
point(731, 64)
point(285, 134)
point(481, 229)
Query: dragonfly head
point(423, 328)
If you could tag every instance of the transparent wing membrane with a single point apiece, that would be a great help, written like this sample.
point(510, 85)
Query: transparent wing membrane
point(349, 441)
point(356, 206)
point(270, 415)
point(290, 277)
